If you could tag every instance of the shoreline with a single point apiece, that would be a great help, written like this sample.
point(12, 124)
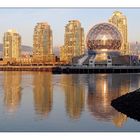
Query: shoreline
point(128, 104)
point(74, 69)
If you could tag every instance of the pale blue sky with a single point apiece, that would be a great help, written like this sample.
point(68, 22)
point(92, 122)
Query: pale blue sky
point(24, 20)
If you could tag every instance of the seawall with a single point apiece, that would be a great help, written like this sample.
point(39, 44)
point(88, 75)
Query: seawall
point(74, 69)
point(86, 70)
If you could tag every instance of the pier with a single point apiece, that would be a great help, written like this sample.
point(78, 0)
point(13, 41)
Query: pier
point(97, 69)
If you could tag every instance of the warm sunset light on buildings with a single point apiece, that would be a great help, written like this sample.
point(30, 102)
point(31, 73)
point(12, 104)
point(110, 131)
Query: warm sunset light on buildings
point(120, 20)
point(11, 45)
point(42, 43)
point(109, 38)
point(74, 41)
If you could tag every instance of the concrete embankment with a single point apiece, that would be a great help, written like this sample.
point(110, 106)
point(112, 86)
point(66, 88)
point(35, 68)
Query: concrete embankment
point(74, 69)
point(26, 68)
point(128, 104)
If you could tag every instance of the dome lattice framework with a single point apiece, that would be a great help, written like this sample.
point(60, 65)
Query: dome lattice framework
point(104, 36)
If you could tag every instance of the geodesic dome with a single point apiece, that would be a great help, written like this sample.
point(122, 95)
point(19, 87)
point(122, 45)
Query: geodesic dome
point(104, 36)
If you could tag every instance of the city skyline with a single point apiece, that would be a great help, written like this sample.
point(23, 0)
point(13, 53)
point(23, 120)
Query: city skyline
point(69, 69)
point(25, 19)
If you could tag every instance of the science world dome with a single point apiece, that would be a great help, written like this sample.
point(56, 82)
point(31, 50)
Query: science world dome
point(104, 36)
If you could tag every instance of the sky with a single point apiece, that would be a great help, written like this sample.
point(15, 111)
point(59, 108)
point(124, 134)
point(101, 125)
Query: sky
point(25, 19)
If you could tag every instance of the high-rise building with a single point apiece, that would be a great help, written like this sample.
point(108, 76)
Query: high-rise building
point(74, 43)
point(11, 45)
point(42, 43)
point(120, 21)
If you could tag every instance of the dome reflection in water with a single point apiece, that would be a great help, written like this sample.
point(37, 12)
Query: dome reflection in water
point(102, 89)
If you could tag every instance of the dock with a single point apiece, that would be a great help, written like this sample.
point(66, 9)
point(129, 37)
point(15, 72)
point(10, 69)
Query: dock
point(97, 69)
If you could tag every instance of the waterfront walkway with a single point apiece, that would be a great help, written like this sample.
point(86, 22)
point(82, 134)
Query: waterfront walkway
point(74, 69)
point(26, 68)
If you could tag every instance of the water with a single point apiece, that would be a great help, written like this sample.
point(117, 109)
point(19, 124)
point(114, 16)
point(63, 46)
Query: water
point(40, 101)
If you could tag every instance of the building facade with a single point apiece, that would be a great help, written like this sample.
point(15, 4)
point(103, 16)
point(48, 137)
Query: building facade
point(120, 21)
point(74, 42)
point(11, 45)
point(42, 43)
point(63, 55)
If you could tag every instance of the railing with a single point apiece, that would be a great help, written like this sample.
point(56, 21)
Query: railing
point(81, 61)
point(102, 67)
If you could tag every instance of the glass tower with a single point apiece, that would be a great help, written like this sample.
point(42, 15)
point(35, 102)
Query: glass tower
point(11, 45)
point(120, 21)
point(74, 42)
point(42, 42)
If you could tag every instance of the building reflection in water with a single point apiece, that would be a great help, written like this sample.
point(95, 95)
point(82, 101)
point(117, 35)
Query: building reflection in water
point(102, 89)
point(119, 119)
point(43, 93)
point(74, 95)
point(12, 90)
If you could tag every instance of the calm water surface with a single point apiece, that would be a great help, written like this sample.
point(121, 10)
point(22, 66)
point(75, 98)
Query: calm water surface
point(40, 101)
